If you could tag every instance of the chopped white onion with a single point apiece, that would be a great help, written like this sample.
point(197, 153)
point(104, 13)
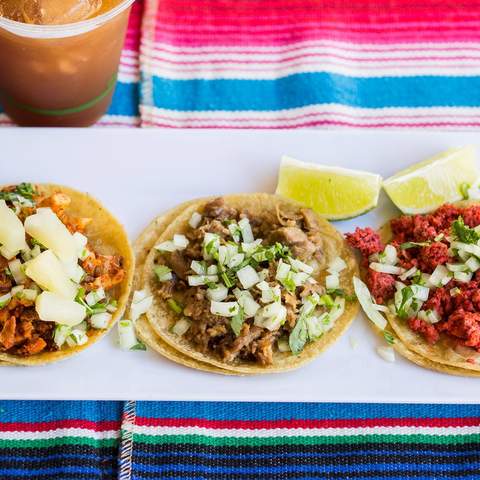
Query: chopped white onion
point(247, 302)
point(15, 267)
point(303, 267)
point(248, 277)
point(466, 247)
point(283, 345)
point(440, 276)
point(127, 337)
point(365, 298)
point(390, 255)
point(195, 220)
point(332, 282)
point(81, 242)
point(234, 230)
point(246, 230)
point(409, 273)
point(140, 304)
point(457, 267)
point(100, 320)
point(282, 270)
point(463, 277)
point(473, 264)
point(236, 260)
point(219, 293)
point(224, 309)
point(167, 246)
point(387, 353)
point(29, 294)
point(197, 280)
point(17, 291)
point(420, 292)
point(181, 327)
point(61, 334)
point(198, 267)
point(300, 278)
point(95, 296)
point(384, 268)
point(180, 241)
point(380, 308)
point(5, 299)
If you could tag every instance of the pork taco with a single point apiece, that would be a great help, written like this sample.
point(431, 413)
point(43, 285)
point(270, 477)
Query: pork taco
point(66, 269)
point(423, 274)
point(249, 283)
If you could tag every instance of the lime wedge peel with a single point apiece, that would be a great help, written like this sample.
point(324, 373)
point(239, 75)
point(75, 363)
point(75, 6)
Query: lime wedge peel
point(336, 193)
point(425, 186)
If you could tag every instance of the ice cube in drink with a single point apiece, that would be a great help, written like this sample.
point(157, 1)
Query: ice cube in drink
point(57, 12)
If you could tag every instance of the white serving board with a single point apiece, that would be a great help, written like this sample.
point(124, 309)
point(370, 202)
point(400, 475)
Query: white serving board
point(139, 174)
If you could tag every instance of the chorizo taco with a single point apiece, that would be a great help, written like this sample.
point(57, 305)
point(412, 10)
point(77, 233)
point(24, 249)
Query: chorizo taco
point(66, 269)
point(249, 284)
point(422, 272)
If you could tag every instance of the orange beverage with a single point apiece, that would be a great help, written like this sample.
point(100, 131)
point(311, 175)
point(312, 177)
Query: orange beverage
point(59, 59)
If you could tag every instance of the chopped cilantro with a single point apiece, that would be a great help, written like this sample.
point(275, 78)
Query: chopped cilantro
point(407, 245)
point(326, 300)
point(417, 278)
point(389, 338)
point(24, 190)
point(161, 271)
point(289, 283)
point(464, 190)
point(463, 232)
point(237, 321)
point(228, 278)
point(175, 306)
point(407, 294)
point(139, 346)
point(299, 336)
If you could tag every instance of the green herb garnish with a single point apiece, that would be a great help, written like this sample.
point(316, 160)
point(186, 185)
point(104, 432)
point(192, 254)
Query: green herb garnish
point(299, 336)
point(23, 190)
point(161, 271)
point(407, 245)
point(464, 190)
point(463, 232)
point(175, 306)
point(389, 338)
point(237, 321)
point(139, 346)
point(407, 294)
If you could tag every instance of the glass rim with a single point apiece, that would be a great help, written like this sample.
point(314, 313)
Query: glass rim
point(65, 30)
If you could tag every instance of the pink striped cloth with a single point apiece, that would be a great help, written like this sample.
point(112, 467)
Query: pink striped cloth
point(310, 63)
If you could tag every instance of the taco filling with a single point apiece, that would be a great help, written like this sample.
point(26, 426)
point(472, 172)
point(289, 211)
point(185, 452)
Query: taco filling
point(244, 285)
point(54, 286)
point(428, 274)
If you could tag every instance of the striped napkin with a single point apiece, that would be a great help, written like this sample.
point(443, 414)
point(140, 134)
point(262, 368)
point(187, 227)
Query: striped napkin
point(311, 63)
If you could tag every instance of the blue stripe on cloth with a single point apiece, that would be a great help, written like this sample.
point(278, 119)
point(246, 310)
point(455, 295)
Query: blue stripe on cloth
point(125, 100)
point(312, 411)
point(315, 88)
point(47, 411)
point(414, 466)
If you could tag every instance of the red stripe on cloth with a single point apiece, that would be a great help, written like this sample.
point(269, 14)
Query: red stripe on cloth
point(101, 426)
point(308, 424)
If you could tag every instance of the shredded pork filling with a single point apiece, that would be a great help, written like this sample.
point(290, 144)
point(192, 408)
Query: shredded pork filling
point(290, 236)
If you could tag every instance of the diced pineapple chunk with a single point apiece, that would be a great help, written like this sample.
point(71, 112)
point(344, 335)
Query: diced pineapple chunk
point(47, 271)
point(12, 232)
point(48, 229)
point(54, 308)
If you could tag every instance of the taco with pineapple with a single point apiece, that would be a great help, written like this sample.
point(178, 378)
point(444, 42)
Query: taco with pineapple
point(66, 269)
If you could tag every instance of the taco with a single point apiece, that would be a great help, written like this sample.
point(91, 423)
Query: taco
point(423, 272)
point(250, 283)
point(66, 269)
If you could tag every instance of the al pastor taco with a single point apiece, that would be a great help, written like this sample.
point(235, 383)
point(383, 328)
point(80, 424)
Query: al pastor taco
point(422, 272)
point(66, 269)
point(250, 283)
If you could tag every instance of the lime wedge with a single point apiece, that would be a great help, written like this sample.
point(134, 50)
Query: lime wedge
point(333, 192)
point(426, 185)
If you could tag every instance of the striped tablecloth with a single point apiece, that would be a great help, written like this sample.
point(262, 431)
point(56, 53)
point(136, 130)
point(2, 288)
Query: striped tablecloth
point(272, 64)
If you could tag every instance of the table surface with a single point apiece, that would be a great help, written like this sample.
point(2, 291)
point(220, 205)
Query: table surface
point(139, 174)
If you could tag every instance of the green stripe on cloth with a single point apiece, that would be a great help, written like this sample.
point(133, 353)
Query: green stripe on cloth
point(304, 440)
